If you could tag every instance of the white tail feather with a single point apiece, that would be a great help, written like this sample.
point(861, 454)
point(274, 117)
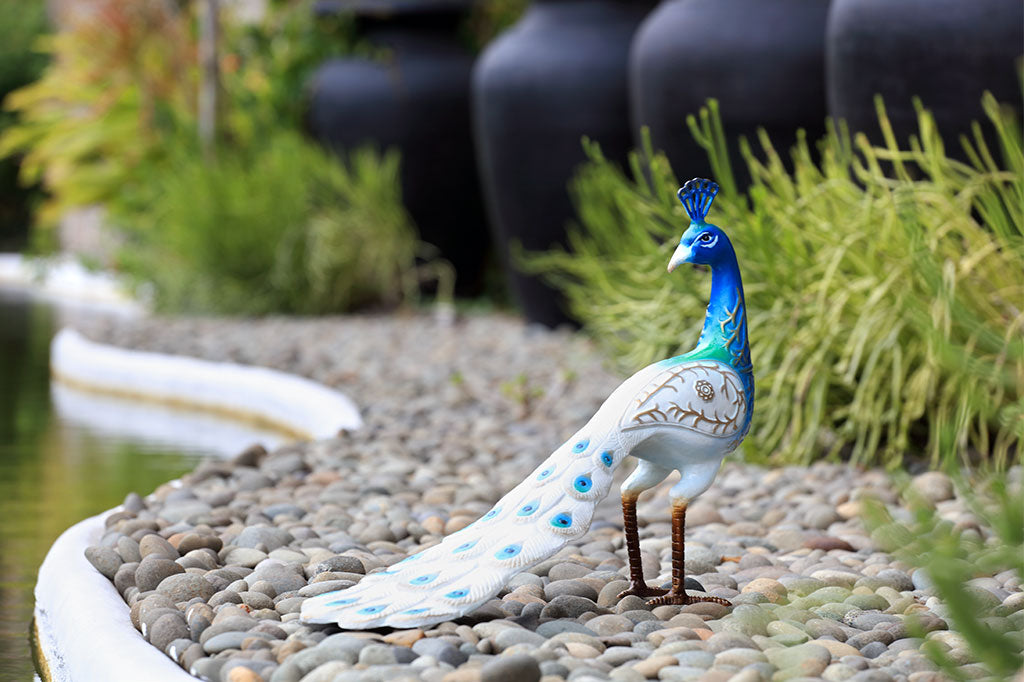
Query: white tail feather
point(538, 517)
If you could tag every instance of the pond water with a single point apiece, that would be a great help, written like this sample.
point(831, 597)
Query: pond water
point(65, 457)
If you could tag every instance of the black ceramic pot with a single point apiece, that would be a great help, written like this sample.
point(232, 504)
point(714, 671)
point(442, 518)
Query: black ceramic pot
point(763, 60)
point(555, 76)
point(414, 97)
point(947, 52)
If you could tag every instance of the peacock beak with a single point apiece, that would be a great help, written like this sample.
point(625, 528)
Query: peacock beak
point(681, 255)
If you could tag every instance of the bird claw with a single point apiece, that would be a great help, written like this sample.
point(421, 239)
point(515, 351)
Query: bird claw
point(642, 590)
point(683, 599)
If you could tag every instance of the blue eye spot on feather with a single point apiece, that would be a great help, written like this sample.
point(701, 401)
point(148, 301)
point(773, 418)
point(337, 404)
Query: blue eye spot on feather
point(544, 474)
point(385, 572)
point(562, 520)
point(456, 594)
point(414, 557)
point(528, 508)
point(342, 602)
point(491, 514)
point(423, 579)
point(465, 546)
point(508, 551)
point(419, 610)
point(606, 458)
point(583, 484)
point(372, 609)
point(581, 446)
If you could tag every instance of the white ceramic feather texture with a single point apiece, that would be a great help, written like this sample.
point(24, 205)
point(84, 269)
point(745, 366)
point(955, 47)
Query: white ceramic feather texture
point(555, 504)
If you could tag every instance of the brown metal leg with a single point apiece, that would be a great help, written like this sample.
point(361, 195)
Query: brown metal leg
point(677, 595)
point(637, 585)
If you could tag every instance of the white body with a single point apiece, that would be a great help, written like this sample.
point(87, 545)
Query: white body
point(685, 416)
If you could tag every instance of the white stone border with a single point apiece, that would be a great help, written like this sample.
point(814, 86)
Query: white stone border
point(82, 624)
point(282, 401)
point(63, 280)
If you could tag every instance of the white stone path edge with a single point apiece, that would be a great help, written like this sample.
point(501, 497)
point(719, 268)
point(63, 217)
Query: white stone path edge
point(82, 624)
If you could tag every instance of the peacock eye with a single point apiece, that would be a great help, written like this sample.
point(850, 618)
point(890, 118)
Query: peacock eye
point(706, 237)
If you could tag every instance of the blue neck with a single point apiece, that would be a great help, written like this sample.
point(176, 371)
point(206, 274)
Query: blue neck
point(725, 324)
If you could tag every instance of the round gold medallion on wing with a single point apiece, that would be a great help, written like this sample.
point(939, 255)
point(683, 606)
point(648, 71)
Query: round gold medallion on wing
point(706, 397)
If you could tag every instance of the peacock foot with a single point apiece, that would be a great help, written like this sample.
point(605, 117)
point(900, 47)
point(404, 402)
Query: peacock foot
point(642, 590)
point(683, 599)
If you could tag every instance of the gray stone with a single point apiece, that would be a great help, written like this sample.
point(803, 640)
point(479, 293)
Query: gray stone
point(184, 510)
point(244, 556)
point(701, 560)
point(105, 560)
point(338, 564)
point(268, 536)
point(515, 668)
point(568, 606)
point(896, 579)
point(166, 629)
point(695, 659)
point(185, 586)
point(792, 657)
point(868, 620)
point(576, 588)
point(284, 578)
point(873, 649)
point(921, 580)
point(377, 654)
point(933, 486)
point(443, 651)
point(556, 627)
point(153, 570)
point(231, 639)
point(512, 636)
point(128, 550)
point(156, 545)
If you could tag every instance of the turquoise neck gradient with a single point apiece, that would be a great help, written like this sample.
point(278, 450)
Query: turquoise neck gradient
point(724, 337)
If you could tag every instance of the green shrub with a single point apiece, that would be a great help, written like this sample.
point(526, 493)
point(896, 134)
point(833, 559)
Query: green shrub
point(116, 89)
point(951, 557)
point(884, 287)
point(281, 228)
point(21, 23)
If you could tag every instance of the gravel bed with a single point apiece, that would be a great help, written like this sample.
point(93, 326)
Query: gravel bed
point(215, 568)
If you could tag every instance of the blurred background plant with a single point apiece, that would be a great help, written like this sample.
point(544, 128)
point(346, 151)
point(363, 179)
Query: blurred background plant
point(266, 223)
point(487, 19)
point(883, 286)
point(118, 85)
point(952, 555)
point(277, 227)
point(21, 24)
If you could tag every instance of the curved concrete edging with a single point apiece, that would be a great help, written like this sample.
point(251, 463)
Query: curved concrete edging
point(285, 402)
point(82, 624)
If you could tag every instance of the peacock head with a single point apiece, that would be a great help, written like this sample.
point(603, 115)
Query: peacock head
point(702, 243)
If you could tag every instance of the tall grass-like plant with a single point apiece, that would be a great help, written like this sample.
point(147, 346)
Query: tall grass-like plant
point(885, 286)
point(282, 228)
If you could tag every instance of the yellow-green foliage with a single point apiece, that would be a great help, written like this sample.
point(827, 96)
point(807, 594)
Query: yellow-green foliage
point(885, 287)
point(119, 78)
point(281, 228)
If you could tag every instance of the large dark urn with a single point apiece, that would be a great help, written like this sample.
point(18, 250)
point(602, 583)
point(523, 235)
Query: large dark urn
point(414, 96)
point(763, 60)
point(557, 75)
point(947, 52)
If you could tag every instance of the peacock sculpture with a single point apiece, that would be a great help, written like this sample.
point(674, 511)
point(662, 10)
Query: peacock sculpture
point(681, 414)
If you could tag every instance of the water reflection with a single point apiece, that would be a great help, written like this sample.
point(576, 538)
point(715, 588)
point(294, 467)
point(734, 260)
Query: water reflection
point(64, 457)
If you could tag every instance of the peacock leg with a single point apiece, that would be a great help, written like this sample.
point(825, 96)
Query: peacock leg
point(677, 595)
point(637, 585)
